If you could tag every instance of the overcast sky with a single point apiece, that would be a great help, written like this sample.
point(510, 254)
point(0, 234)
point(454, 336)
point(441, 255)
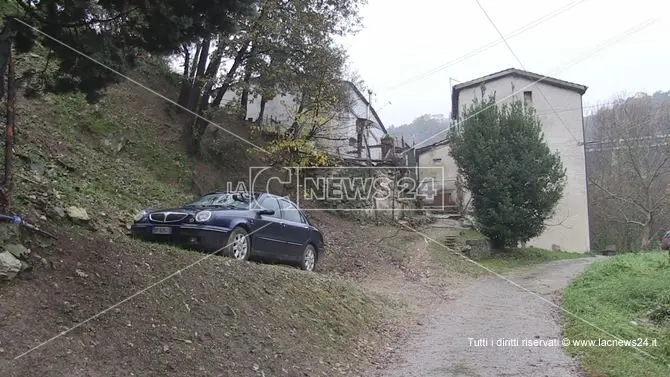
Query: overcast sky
point(402, 40)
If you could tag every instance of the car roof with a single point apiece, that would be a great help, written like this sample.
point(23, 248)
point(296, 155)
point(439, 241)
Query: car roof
point(232, 192)
point(257, 194)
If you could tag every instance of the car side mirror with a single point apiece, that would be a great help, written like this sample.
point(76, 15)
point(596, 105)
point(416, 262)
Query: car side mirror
point(264, 211)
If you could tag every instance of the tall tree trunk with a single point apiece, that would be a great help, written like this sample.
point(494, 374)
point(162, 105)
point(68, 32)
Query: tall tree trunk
point(228, 80)
point(196, 59)
point(190, 91)
point(187, 61)
point(211, 72)
point(191, 137)
point(194, 95)
point(185, 87)
point(646, 232)
point(197, 129)
point(244, 98)
point(261, 113)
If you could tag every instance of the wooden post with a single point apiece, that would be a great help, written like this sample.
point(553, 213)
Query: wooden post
point(6, 194)
point(9, 134)
point(359, 137)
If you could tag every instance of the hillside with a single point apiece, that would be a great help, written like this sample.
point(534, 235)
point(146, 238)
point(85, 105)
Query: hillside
point(659, 103)
point(160, 310)
point(628, 196)
point(424, 130)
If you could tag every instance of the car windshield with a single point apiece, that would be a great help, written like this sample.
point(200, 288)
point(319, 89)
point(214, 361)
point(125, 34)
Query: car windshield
point(224, 200)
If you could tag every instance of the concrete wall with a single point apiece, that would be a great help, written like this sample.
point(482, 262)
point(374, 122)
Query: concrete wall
point(563, 131)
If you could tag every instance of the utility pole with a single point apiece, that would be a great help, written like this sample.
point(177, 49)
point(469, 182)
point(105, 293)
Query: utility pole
point(366, 127)
point(451, 93)
point(7, 61)
point(459, 179)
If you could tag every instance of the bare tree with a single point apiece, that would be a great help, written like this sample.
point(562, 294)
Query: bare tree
point(630, 171)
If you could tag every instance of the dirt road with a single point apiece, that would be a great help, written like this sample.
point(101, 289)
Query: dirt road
point(461, 337)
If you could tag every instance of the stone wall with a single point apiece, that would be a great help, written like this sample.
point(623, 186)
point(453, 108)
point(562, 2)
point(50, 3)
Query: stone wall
point(477, 249)
point(394, 204)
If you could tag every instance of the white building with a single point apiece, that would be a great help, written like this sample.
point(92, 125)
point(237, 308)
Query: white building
point(559, 107)
point(436, 165)
point(342, 138)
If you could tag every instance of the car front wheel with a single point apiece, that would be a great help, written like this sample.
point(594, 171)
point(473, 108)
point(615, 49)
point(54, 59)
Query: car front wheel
point(308, 258)
point(238, 244)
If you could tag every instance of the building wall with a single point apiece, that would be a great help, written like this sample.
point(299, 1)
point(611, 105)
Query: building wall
point(563, 131)
point(343, 126)
point(435, 165)
point(438, 158)
point(359, 109)
point(281, 108)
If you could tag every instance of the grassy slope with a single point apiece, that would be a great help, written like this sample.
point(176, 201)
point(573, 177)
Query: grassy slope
point(218, 318)
point(526, 257)
point(61, 139)
point(620, 295)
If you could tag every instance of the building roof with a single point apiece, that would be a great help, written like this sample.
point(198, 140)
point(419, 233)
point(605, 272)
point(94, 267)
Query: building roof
point(536, 78)
point(366, 103)
point(427, 148)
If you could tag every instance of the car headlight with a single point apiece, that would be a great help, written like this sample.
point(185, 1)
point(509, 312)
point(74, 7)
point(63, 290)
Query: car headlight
point(140, 215)
point(203, 216)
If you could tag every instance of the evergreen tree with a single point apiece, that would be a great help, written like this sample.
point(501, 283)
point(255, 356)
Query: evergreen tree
point(514, 178)
point(115, 33)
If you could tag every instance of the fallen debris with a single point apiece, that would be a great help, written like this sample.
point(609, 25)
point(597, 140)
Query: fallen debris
point(10, 266)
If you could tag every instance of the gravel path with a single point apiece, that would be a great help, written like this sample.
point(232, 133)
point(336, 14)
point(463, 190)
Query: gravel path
point(491, 309)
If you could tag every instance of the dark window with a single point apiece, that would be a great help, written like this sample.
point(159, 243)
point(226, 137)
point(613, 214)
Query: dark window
point(290, 212)
point(271, 203)
point(528, 98)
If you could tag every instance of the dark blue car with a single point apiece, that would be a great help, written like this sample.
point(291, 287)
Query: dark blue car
point(240, 225)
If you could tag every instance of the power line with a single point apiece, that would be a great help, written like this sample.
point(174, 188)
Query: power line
point(596, 106)
point(603, 45)
point(539, 88)
point(483, 48)
point(566, 109)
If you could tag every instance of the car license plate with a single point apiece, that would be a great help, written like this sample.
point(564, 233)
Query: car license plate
point(162, 230)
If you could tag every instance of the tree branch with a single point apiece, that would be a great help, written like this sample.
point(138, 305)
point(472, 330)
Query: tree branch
point(31, 11)
point(620, 198)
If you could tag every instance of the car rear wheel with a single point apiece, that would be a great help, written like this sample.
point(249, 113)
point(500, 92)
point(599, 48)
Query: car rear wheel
point(308, 258)
point(238, 246)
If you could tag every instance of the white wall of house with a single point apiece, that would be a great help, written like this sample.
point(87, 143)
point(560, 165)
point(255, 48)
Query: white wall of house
point(436, 168)
point(563, 131)
point(343, 126)
point(281, 108)
point(359, 109)
point(438, 157)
